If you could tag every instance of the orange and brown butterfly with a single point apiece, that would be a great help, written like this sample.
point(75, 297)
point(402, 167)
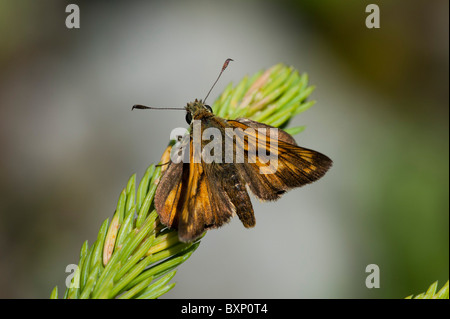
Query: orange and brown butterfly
point(195, 195)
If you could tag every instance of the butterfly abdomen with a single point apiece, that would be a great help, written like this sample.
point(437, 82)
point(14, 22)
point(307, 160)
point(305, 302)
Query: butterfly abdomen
point(237, 192)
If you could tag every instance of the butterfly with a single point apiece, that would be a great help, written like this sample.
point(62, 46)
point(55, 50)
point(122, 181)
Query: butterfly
point(203, 187)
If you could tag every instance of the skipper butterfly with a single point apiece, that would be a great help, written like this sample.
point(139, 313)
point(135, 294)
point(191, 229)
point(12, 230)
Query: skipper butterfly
point(206, 182)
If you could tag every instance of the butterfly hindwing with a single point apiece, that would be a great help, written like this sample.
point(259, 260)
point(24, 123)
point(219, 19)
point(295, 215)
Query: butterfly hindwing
point(194, 197)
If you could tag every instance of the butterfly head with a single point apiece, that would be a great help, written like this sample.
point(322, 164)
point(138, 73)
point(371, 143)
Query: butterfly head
point(197, 110)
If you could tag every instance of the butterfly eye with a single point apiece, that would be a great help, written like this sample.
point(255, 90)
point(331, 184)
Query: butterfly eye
point(208, 108)
point(188, 117)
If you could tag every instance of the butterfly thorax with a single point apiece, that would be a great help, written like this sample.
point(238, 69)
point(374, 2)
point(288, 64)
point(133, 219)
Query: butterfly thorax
point(199, 110)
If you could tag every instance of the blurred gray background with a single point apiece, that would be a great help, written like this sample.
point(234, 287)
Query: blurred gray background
point(69, 141)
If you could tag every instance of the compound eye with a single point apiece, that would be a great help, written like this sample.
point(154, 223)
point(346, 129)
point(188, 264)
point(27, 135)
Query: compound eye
point(188, 117)
point(208, 108)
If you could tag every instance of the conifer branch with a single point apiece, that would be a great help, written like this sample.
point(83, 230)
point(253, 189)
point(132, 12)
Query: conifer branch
point(134, 255)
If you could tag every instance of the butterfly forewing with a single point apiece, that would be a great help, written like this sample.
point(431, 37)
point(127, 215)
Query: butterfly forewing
point(194, 197)
point(294, 166)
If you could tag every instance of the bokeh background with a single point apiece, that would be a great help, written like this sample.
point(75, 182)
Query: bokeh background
point(69, 141)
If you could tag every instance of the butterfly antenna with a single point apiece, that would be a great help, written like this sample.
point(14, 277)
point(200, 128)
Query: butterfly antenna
point(223, 69)
point(143, 107)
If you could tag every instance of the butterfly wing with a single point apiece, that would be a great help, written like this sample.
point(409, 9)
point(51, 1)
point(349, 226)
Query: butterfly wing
point(194, 197)
point(214, 194)
point(295, 166)
point(282, 135)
